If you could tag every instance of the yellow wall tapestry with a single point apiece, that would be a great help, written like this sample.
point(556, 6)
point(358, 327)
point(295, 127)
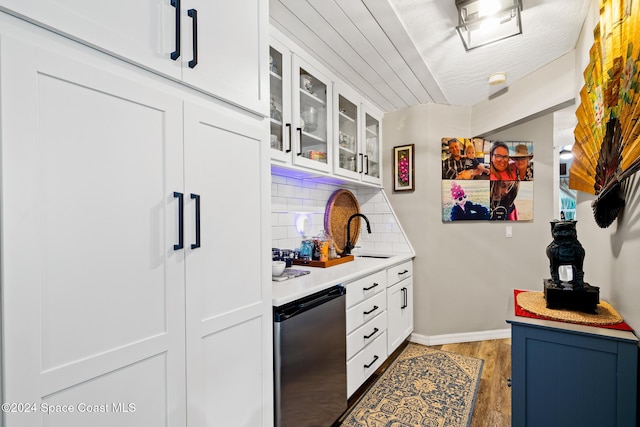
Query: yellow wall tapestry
point(607, 137)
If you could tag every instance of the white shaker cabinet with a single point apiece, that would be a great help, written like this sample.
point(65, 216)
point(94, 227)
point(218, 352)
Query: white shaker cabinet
point(109, 306)
point(399, 304)
point(216, 46)
point(93, 293)
point(366, 328)
point(357, 143)
point(229, 366)
point(301, 106)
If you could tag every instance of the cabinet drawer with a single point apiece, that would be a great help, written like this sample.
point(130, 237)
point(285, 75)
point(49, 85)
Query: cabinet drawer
point(366, 310)
point(365, 363)
point(399, 272)
point(361, 289)
point(366, 334)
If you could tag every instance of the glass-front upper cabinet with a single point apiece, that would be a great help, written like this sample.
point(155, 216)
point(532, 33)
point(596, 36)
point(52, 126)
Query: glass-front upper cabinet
point(371, 148)
point(356, 137)
point(280, 110)
point(347, 156)
point(301, 99)
point(311, 118)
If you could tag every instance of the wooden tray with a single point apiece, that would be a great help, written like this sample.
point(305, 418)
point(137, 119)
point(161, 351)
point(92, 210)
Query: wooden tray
point(324, 264)
point(340, 206)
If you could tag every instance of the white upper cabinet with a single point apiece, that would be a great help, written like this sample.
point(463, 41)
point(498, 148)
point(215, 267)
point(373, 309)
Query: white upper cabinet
point(319, 123)
point(311, 118)
point(301, 105)
point(370, 145)
point(356, 137)
point(280, 103)
point(219, 47)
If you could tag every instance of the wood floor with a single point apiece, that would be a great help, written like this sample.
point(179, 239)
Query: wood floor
point(493, 401)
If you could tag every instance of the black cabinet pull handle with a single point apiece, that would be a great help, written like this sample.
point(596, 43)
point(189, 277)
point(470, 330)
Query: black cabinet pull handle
point(509, 382)
point(361, 163)
point(176, 53)
point(290, 141)
point(180, 244)
point(197, 243)
point(366, 156)
point(403, 272)
point(300, 134)
point(370, 287)
point(194, 15)
point(404, 298)
point(375, 307)
point(366, 337)
point(372, 362)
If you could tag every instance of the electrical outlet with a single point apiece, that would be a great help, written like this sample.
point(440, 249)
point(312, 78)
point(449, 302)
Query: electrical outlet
point(509, 231)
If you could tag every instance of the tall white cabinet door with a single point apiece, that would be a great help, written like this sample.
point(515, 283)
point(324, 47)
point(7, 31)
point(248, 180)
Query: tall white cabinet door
point(229, 362)
point(231, 50)
point(92, 290)
point(141, 31)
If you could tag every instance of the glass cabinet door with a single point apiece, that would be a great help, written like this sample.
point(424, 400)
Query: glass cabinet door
point(280, 110)
point(312, 103)
point(371, 149)
point(349, 162)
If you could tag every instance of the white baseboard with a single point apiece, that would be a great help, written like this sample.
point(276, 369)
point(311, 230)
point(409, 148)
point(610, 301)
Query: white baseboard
point(458, 338)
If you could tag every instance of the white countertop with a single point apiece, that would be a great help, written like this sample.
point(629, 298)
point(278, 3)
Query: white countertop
point(323, 278)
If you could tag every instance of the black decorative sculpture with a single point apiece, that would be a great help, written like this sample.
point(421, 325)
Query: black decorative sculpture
point(566, 250)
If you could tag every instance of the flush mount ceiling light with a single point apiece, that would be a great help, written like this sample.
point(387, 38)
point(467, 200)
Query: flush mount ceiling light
point(497, 78)
point(482, 22)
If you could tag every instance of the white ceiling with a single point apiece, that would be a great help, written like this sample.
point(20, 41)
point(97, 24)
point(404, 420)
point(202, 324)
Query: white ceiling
point(401, 53)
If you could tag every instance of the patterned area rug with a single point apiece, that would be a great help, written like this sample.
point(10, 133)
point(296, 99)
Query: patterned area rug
point(423, 387)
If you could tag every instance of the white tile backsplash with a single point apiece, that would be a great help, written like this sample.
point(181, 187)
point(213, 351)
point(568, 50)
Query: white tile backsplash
point(293, 197)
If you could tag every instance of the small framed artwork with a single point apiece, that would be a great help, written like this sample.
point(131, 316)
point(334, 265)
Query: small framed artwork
point(403, 173)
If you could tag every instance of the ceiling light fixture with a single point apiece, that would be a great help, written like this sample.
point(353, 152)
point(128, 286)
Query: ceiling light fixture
point(497, 78)
point(482, 22)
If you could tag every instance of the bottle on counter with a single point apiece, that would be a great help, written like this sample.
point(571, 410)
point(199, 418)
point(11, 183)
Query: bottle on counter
point(332, 250)
point(324, 251)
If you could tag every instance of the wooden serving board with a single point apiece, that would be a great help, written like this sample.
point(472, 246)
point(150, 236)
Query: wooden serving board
point(324, 264)
point(340, 206)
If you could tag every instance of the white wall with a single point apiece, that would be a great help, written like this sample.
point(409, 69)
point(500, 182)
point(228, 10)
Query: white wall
point(542, 90)
point(465, 271)
point(612, 253)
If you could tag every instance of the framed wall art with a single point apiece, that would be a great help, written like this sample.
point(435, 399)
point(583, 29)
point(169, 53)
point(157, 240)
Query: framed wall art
point(403, 171)
point(486, 180)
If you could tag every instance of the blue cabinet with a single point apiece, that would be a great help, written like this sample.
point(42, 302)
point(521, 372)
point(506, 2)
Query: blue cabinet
point(571, 375)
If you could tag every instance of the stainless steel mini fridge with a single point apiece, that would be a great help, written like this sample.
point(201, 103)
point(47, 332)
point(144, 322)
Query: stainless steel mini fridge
point(310, 352)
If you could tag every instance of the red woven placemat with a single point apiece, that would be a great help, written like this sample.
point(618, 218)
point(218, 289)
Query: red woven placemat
point(519, 311)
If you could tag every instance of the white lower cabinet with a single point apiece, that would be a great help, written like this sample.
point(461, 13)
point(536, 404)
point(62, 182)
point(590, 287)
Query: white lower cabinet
point(379, 319)
point(366, 328)
point(399, 304)
point(365, 363)
point(121, 303)
point(400, 313)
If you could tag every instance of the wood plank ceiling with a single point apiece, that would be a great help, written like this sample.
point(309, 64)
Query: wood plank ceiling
point(401, 53)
